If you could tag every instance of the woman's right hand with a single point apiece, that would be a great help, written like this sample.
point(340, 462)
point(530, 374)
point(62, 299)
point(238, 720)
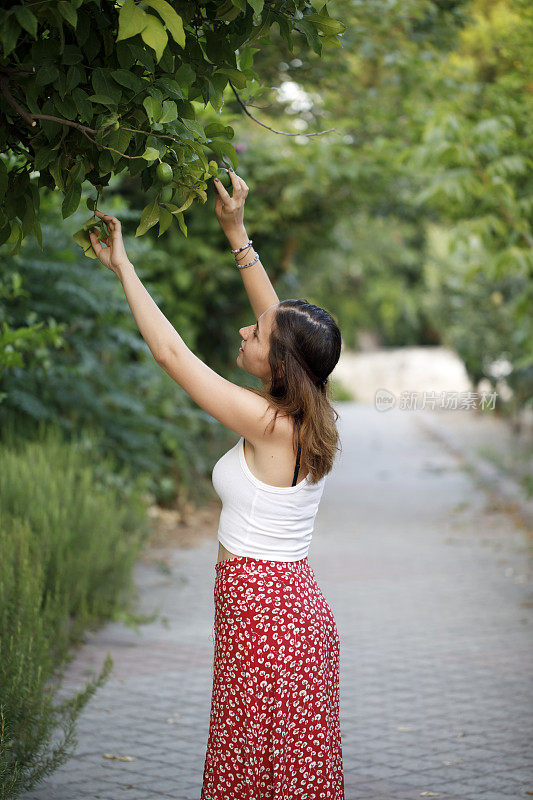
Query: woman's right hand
point(230, 210)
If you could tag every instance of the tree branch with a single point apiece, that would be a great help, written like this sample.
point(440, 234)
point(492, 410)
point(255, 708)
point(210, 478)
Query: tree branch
point(69, 122)
point(284, 133)
point(4, 89)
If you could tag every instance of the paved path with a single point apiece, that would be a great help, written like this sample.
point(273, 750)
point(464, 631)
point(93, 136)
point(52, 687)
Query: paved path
point(431, 589)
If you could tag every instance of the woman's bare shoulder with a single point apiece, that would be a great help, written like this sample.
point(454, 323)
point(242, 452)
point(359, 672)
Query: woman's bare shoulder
point(278, 431)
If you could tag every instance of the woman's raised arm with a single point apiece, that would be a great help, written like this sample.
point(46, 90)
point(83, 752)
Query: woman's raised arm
point(230, 214)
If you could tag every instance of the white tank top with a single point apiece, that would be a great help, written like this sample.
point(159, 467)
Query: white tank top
point(263, 521)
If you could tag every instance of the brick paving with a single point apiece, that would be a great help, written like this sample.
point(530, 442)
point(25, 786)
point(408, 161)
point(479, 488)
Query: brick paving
point(430, 583)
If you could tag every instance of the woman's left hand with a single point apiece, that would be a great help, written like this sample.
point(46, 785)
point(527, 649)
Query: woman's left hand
point(114, 256)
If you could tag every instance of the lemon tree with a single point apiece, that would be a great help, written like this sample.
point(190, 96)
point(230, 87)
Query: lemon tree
point(92, 89)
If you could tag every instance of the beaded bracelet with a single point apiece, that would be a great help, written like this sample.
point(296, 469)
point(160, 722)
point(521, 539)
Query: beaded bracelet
point(242, 266)
point(243, 247)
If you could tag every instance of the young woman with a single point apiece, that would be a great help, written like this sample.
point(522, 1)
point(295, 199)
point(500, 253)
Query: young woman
point(274, 729)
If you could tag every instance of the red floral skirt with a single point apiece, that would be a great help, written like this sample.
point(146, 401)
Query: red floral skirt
point(274, 729)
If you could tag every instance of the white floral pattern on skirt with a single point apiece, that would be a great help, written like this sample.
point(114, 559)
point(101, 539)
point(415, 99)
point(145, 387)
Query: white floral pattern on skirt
point(274, 729)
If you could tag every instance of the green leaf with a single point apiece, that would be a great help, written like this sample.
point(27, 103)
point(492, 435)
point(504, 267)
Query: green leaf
point(10, 36)
point(126, 78)
point(103, 100)
point(326, 24)
point(186, 204)
point(216, 97)
point(155, 36)
point(47, 74)
point(71, 55)
point(228, 11)
point(4, 233)
point(165, 220)
point(195, 126)
point(222, 148)
point(199, 150)
point(185, 75)
point(30, 223)
point(104, 86)
point(257, 5)
point(215, 129)
point(331, 41)
point(238, 78)
point(26, 20)
point(77, 174)
point(246, 57)
point(149, 217)
point(118, 140)
point(43, 157)
point(171, 19)
point(181, 223)
point(57, 175)
point(72, 199)
point(15, 238)
point(171, 87)
point(74, 77)
point(170, 111)
point(68, 12)
point(311, 34)
point(81, 237)
point(154, 109)
point(81, 99)
point(150, 154)
point(131, 20)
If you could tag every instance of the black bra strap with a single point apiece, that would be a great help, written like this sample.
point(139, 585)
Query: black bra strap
point(297, 468)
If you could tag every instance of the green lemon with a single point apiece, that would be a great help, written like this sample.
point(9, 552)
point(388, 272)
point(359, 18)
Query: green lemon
point(224, 178)
point(165, 195)
point(164, 173)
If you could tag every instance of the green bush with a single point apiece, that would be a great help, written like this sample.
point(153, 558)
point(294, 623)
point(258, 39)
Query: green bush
point(69, 541)
point(87, 532)
point(29, 716)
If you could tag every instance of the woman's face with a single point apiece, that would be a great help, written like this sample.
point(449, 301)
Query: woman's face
point(253, 357)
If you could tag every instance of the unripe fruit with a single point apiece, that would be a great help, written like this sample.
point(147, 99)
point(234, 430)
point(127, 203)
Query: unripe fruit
point(164, 173)
point(224, 178)
point(165, 196)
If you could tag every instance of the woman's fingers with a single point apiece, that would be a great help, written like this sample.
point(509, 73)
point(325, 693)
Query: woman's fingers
point(239, 186)
point(239, 182)
point(222, 191)
point(110, 221)
point(95, 241)
point(236, 181)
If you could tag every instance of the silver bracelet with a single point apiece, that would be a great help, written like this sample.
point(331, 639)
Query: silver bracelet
point(242, 266)
point(242, 248)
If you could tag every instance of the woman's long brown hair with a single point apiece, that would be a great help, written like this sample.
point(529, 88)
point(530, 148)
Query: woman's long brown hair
point(305, 345)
